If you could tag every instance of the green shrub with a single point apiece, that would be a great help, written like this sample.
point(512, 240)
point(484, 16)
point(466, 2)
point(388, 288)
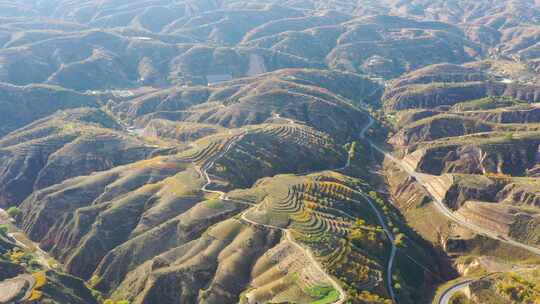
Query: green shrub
point(459, 298)
point(4, 230)
point(94, 280)
point(109, 301)
point(325, 294)
point(400, 240)
point(509, 136)
point(13, 212)
point(97, 295)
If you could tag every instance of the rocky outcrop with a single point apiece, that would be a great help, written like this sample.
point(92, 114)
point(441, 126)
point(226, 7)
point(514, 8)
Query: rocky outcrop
point(523, 92)
point(417, 90)
point(520, 194)
point(467, 188)
point(432, 95)
point(525, 228)
point(39, 101)
point(512, 158)
point(447, 73)
point(62, 146)
point(438, 127)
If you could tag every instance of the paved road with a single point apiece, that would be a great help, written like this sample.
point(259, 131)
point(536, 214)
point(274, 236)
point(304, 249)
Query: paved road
point(439, 204)
point(387, 231)
point(422, 179)
point(393, 251)
point(452, 290)
point(460, 286)
point(309, 254)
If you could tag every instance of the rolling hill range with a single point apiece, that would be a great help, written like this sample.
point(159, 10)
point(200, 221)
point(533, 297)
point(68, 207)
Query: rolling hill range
point(292, 151)
point(470, 134)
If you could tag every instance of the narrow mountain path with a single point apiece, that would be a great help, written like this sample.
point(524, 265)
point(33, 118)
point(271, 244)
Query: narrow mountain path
point(307, 252)
point(20, 238)
point(222, 195)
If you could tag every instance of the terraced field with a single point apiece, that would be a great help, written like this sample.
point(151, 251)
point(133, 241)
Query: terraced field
point(469, 155)
point(326, 213)
point(248, 152)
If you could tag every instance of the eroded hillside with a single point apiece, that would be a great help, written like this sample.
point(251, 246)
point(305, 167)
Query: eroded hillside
point(280, 152)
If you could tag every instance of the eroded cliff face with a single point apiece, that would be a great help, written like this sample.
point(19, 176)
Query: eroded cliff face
point(65, 145)
point(520, 194)
point(467, 188)
point(449, 85)
point(475, 146)
point(438, 127)
point(514, 158)
point(521, 115)
point(430, 96)
point(433, 95)
point(498, 204)
point(219, 159)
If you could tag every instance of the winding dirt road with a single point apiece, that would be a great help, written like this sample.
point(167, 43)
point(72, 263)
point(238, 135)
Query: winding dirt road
point(204, 171)
point(422, 180)
point(22, 241)
point(307, 252)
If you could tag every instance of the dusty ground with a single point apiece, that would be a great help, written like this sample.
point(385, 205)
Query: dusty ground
point(13, 289)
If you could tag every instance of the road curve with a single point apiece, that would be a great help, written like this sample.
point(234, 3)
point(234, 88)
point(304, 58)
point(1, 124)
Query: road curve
point(223, 196)
point(387, 231)
point(391, 238)
point(204, 171)
point(439, 204)
point(41, 256)
point(452, 290)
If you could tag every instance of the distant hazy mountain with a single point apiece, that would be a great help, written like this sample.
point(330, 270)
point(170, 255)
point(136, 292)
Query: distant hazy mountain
point(246, 151)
